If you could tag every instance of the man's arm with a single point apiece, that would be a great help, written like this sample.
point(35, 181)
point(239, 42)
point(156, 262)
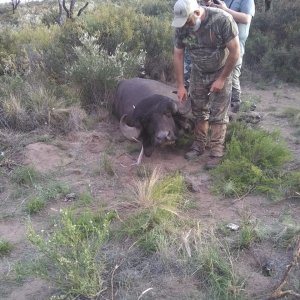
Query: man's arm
point(234, 52)
point(178, 65)
point(239, 17)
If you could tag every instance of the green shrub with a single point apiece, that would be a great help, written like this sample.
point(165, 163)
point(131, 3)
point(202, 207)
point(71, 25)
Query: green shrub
point(97, 72)
point(70, 254)
point(253, 161)
point(60, 55)
point(157, 8)
point(270, 29)
point(5, 248)
point(136, 31)
point(34, 205)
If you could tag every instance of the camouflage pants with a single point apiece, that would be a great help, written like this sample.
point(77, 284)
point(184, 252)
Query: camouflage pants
point(236, 87)
point(213, 107)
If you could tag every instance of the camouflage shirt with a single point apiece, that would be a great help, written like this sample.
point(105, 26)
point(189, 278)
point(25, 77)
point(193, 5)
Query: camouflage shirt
point(208, 44)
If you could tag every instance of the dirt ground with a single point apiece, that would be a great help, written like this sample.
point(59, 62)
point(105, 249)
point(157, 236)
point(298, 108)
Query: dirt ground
point(76, 160)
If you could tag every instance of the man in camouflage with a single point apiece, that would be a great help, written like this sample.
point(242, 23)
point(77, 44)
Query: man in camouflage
point(211, 36)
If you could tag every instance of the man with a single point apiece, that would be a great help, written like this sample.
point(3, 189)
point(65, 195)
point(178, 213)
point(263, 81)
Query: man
point(211, 35)
point(242, 12)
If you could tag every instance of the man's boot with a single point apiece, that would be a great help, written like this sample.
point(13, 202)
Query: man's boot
point(199, 144)
point(217, 140)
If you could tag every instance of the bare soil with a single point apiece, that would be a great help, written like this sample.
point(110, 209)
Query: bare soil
point(77, 159)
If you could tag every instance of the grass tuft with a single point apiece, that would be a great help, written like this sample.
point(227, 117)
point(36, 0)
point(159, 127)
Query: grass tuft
point(158, 199)
point(5, 248)
point(208, 258)
point(26, 175)
point(86, 197)
point(42, 195)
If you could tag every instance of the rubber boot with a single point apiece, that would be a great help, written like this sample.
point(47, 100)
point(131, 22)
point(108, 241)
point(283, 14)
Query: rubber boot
point(217, 139)
point(199, 144)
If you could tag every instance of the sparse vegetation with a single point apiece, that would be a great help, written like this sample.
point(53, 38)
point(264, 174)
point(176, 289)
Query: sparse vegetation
point(26, 176)
point(43, 194)
point(5, 248)
point(106, 165)
point(71, 253)
point(209, 259)
point(86, 197)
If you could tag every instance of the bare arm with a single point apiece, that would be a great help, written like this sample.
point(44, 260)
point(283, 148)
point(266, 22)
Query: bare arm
point(239, 17)
point(178, 65)
point(234, 52)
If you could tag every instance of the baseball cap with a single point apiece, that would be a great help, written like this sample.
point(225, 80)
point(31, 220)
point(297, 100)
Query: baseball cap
point(182, 10)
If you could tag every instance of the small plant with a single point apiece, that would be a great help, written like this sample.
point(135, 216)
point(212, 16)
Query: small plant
point(106, 165)
point(208, 258)
point(158, 199)
point(34, 205)
point(70, 254)
point(44, 194)
point(5, 248)
point(26, 176)
point(86, 197)
point(248, 233)
point(143, 171)
point(249, 104)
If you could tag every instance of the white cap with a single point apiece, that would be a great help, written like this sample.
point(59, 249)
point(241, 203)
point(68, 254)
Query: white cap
point(182, 10)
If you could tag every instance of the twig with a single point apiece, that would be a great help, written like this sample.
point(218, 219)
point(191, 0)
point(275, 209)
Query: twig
point(144, 292)
point(112, 281)
point(279, 293)
point(243, 196)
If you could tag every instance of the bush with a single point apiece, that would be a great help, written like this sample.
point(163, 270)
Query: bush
point(96, 72)
point(70, 253)
point(270, 29)
point(158, 199)
point(151, 33)
point(253, 161)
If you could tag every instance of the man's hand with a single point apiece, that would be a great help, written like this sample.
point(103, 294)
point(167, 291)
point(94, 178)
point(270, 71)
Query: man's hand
point(222, 5)
point(182, 94)
point(217, 86)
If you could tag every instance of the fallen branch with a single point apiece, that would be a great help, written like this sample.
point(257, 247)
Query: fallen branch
point(279, 292)
point(244, 196)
